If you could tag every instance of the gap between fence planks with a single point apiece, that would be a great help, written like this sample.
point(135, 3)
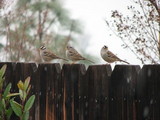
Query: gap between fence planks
point(98, 93)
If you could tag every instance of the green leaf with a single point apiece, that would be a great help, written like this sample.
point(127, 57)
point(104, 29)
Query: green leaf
point(3, 70)
point(24, 96)
point(28, 89)
point(26, 83)
point(20, 85)
point(12, 94)
point(1, 83)
point(7, 90)
point(17, 108)
point(25, 115)
point(21, 94)
point(9, 113)
point(1, 106)
point(29, 103)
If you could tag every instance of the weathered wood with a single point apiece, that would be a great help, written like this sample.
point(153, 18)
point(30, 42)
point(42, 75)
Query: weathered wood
point(71, 75)
point(83, 96)
point(73, 93)
point(57, 93)
point(122, 92)
point(46, 76)
point(148, 93)
point(29, 70)
point(98, 77)
point(105, 93)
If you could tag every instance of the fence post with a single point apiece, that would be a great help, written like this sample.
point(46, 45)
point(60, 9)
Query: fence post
point(148, 93)
point(56, 94)
point(98, 79)
point(47, 74)
point(122, 92)
point(71, 76)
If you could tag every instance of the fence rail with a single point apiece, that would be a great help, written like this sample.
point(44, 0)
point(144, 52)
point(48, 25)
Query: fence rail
point(98, 93)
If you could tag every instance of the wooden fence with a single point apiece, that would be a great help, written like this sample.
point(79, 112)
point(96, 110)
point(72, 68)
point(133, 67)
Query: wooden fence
point(98, 93)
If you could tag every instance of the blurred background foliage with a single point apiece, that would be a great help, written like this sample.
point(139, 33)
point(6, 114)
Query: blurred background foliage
point(140, 30)
point(33, 23)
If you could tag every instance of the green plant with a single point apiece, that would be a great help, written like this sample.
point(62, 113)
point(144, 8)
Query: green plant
point(5, 109)
point(2, 71)
point(22, 110)
point(7, 102)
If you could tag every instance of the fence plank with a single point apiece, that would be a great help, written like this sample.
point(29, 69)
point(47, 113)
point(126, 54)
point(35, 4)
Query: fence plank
point(148, 93)
point(122, 92)
point(98, 77)
point(46, 87)
point(42, 72)
point(57, 93)
point(71, 75)
point(83, 96)
point(36, 87)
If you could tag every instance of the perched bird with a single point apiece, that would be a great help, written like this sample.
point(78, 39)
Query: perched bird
point(109, 57)
point(48, 55)
point(73, 55)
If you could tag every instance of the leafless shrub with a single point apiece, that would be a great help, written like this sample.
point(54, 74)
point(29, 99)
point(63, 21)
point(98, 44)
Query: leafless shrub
point(140, 32)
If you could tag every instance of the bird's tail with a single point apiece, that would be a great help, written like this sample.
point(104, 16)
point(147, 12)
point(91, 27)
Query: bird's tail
point(124, 61)
point(63, 58)
point(89, 60)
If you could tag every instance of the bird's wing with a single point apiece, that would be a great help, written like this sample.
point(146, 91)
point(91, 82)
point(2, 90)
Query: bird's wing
point(50, 54)
point(111, 55)
point(75, 54)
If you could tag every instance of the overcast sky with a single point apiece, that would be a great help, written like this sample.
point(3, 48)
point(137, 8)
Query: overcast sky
point(92, 14)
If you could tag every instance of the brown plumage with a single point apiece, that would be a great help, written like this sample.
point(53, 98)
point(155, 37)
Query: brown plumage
point(73, 55)
point(48, 55)
point(109, 57)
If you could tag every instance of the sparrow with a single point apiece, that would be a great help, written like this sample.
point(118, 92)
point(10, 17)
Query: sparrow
point(73, 55)
point(109, 57)
point(48, 55)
